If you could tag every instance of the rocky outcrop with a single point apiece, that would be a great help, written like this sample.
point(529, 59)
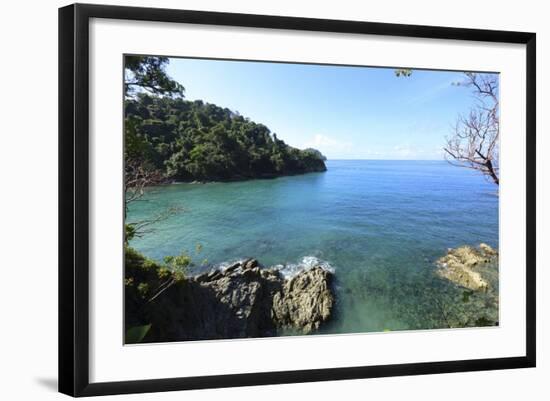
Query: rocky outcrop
point(461, 266)
point(305, 301)
point(243, 300)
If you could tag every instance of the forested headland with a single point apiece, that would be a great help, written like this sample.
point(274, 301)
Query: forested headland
point(168, 138)
point(197, 141)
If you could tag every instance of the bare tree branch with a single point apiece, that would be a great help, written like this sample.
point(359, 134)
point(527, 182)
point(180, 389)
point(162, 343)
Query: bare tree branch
point(142, 227)
point(138, 176)
point(474, 142)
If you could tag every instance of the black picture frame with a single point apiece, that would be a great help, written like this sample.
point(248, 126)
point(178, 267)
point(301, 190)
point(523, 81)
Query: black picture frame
point(74, 200)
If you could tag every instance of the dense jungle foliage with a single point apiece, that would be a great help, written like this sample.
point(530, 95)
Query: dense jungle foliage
point(193, 140)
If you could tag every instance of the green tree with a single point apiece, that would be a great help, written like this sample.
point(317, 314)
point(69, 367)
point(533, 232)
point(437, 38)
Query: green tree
point(200, 141)
point(148, 73)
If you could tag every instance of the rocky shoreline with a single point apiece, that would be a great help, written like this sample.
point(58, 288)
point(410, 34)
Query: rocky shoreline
point(247, 300)
point(463, 266)
point(243, 300)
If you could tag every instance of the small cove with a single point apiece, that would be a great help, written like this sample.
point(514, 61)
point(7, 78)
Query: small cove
point(380, 225)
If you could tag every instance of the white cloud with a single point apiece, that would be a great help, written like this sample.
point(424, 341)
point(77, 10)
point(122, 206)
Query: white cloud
point(329, 146)
point(334, 148)
point(404, 150)
point(412, 152)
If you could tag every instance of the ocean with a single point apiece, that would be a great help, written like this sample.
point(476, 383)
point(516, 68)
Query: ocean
point(379, 225)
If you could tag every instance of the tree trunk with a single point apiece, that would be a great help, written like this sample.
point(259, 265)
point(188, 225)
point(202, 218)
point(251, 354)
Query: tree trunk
point(491, 171)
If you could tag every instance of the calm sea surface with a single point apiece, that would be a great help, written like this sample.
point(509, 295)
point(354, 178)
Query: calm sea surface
point(379, 224)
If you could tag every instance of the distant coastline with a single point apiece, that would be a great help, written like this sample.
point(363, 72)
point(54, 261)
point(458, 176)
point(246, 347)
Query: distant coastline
point(195, 141)
point(240, 178)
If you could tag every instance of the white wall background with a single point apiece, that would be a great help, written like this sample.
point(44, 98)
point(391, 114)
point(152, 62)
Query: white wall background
point(28, 199)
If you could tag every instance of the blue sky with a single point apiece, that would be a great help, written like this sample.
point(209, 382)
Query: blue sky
point(345, 112)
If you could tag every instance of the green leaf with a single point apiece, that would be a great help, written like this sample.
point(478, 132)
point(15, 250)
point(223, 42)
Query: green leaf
point(136, 334)
point(403, 72)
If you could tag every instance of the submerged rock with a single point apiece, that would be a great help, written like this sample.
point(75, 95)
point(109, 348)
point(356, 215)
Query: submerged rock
point(461, 264)
point(244, 300)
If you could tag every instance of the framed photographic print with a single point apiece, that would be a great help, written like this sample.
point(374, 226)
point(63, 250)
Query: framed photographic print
point(250, 199)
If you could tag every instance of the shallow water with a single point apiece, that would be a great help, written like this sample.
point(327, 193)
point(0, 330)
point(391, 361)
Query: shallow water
point(379, 224)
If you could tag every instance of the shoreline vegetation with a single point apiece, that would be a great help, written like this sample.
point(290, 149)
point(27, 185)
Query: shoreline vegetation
point(194, 141)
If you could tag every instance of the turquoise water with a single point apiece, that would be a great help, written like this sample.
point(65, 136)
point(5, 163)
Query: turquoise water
point(379, 224)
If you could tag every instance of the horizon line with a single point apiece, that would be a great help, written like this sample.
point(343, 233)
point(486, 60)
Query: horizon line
point(394, 160)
